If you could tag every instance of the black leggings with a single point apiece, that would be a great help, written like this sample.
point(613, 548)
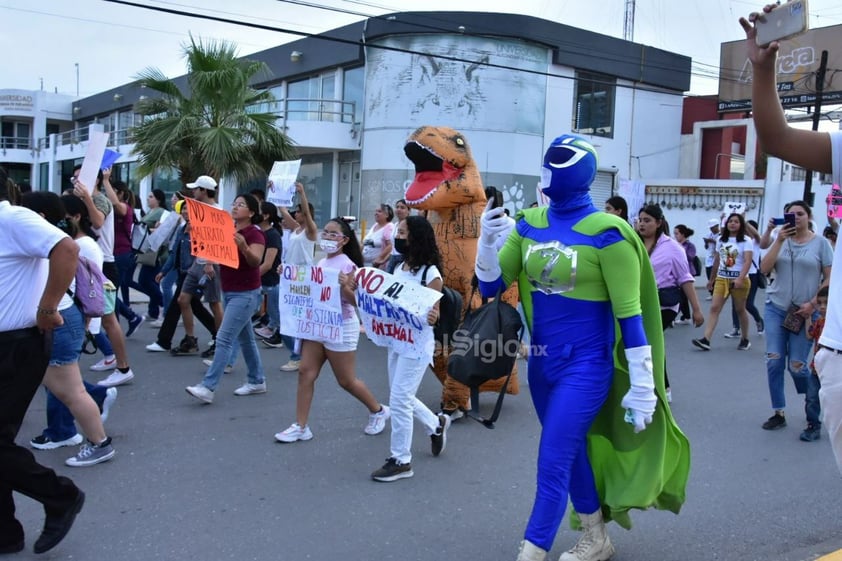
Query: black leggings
point(667, 317)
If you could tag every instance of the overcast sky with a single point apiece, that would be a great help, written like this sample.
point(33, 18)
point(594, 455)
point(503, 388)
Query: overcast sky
point(43, 41)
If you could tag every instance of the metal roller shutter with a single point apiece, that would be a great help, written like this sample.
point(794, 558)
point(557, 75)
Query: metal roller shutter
point(602, 188)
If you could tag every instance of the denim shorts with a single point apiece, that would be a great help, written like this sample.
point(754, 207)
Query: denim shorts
point(350, 336)
point(69, 338)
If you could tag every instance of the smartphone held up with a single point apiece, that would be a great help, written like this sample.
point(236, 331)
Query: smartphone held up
point(783, 22)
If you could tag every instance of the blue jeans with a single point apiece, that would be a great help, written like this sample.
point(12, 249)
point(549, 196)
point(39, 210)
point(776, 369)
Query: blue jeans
point(168, 287)
point(60, 422)
point(783, 348)
point(147, 285)
point(125, 267)
point(289, 342)
point(273, 296)
point(103, 343)
point(812, 406)
point(236, 326)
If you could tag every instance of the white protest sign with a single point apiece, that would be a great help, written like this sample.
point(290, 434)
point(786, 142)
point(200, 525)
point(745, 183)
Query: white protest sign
point(394, 312)
point(732, 207)
point(310, 303)
point(281, 186)
point(166, 226)
point(93, 159)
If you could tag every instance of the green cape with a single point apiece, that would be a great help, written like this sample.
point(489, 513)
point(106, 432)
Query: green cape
point(651, 468)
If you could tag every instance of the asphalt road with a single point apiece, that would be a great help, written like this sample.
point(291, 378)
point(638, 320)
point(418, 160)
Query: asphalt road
point(193, 481)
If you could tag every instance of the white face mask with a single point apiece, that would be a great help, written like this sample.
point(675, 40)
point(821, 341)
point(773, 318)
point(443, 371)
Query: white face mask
point(329, 246)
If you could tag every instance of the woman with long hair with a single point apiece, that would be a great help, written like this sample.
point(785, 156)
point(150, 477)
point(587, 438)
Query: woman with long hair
point(339, 243)
point(63, 377)
point(682, 234)
point(672, 273)
point(753, 276)
point(156, 202)
point(732, 262)
point(395, 258)
point(416, 241)
point(377, 244)
point(241, 293)
point(269, 278)
point(802, 262)
point(617, 205)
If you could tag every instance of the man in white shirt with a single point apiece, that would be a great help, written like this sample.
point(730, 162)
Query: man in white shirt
point(37, 264)
point(811, 150)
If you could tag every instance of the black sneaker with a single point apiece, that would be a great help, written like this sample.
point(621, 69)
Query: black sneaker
point(275, 341)
point(811, 433)
point(702, 343)
point(775, 422)
point(439, 439)
point(733, 334)
point(744, 345)
point(210, 351)
point(392, 471)
point(188, 346)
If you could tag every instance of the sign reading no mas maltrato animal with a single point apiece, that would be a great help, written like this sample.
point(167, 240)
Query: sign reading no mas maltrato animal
point(310, 302)
point(394, 312)
point(212, 234)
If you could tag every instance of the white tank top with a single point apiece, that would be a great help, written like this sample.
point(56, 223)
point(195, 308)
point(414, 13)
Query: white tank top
point(299, 250)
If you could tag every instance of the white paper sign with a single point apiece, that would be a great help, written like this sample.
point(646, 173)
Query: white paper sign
point(93, 158)
point(732, 207)
point(310, 303)
point(166, 227)
point(281, 186)
point(394, 313)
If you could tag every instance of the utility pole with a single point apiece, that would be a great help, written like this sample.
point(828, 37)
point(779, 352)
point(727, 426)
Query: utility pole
point(77, 79)
point(808, 180)
point(628, 22)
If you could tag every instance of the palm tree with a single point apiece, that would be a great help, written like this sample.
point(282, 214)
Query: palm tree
point(214, 127)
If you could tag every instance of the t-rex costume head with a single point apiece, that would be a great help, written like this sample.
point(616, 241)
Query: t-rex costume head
point(569, 168)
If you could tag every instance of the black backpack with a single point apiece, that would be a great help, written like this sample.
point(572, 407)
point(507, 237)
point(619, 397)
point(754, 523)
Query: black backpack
point(450, 313)
point(697, 264)
point(485, 348)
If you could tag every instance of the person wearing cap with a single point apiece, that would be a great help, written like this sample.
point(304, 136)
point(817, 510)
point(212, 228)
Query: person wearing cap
point(203, 190)
point(710, 247)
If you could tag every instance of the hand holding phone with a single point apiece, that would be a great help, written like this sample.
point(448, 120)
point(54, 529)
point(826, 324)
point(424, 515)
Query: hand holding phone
point(783, 22)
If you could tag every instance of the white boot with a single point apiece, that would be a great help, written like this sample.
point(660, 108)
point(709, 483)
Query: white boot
point(530, 552)
point(594, 543)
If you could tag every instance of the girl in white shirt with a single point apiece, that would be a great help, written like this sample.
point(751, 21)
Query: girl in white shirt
point(377, 244)
point(416, 241)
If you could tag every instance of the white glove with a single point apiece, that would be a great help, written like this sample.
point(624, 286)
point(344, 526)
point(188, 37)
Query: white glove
point(494, 222)
point(640, 400)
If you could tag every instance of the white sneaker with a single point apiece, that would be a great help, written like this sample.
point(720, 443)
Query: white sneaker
point(156, 348)
point(105, 364)
point(42, 442)
point(294, 433)
point(264, 332)
point(117, 378)
point(377, 421)
point(291, 366)
point(110, 398)
point(200, 392)
point(156, 323)
point(250, 389)
point(208, 362)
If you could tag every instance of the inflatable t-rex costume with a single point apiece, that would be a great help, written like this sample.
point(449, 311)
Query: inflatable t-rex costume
point(447, 184)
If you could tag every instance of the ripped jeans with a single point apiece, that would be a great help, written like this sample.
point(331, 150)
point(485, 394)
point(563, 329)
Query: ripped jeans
point(784, 349)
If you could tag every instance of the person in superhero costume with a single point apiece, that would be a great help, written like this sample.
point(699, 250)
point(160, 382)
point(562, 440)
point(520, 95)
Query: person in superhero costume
point(608, 438)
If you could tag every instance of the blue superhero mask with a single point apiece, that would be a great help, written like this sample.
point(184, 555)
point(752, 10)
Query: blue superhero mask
point(569, 168)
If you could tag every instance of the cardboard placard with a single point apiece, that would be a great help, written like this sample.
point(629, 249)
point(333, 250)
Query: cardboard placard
point(212, 234)
point(93, 159)
point(280, 189)
point(394, 313)
point(310, 303)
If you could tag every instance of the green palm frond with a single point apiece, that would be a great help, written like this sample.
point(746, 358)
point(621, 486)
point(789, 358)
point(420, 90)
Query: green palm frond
point(211, 127)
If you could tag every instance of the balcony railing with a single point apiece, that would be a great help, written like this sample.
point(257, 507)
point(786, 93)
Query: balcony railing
point(293, 109)
point(12, 142)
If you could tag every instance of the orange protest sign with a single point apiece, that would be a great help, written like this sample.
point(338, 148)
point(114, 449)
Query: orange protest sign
point(212, 234)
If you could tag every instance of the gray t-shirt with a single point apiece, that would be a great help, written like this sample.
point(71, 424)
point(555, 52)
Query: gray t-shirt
point(798, 271)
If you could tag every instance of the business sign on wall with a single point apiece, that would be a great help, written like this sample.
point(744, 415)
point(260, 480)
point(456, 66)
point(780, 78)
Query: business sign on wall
point(12, 101)
point(798, 61)
point(458, 81)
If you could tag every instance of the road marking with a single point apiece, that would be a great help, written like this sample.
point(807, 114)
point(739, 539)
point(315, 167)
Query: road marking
point(835, 556)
